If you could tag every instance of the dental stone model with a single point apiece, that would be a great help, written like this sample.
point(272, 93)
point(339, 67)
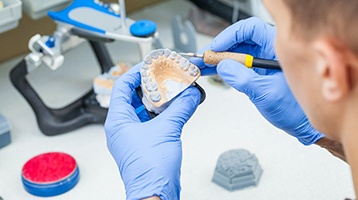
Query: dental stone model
point(237, 169)
point(165, 74)
point(103, 83)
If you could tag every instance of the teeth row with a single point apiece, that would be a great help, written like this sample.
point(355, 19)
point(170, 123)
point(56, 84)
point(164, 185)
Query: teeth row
point(151, 86)
point(183, 63)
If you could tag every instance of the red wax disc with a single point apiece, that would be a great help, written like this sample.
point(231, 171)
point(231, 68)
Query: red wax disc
point(49, 167)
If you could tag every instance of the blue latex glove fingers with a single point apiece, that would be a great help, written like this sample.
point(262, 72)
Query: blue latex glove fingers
point(246, 36)
point(148, 154)
point(272, 97)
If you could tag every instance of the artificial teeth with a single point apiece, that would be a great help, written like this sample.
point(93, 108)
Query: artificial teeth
point(173, 55)
point(160, 52)
point(154, 96)
point(167, 53)
point(184, 64)
point(148, 60)
point(177, 60)
point(193, 70)
point(154, 54)
point(146, 79)
point(144, 66)
point(151, 86)
point(143, 72)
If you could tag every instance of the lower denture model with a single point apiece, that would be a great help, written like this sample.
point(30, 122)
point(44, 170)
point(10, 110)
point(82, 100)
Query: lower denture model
point(165, 74)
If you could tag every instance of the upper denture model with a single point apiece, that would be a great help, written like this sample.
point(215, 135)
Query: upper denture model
point(165, 74)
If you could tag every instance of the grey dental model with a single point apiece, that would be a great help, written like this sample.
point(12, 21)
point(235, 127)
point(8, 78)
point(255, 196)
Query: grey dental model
point(237, 169)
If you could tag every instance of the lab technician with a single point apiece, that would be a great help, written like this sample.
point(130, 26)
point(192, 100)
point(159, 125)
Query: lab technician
point(317, 46)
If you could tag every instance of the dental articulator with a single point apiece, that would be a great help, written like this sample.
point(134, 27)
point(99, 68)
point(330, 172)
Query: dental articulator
point(80, 21)
point(164, 73)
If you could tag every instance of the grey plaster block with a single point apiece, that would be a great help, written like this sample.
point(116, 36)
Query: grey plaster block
point(237, 169)
point(5, 138)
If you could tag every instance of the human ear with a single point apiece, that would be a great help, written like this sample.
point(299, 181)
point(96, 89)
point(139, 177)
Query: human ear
point(332, 67)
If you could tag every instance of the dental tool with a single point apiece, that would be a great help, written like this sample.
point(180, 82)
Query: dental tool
point(211, 57)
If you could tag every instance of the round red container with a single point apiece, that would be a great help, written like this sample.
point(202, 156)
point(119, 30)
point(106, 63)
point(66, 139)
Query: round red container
point(50, 174)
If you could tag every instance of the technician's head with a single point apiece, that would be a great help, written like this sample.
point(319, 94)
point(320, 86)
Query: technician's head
point(317, 44)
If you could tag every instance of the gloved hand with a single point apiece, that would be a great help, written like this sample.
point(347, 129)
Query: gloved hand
point(267, 89)
point(148, 154)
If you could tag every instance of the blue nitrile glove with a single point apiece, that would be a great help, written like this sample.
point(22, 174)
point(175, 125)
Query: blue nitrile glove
point(267, 89)
point(148, 154)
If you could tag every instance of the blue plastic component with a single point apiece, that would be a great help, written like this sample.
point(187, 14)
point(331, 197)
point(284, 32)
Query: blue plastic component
point(51, 41)
point(52, 189)
point(139, 109)
point(63, 15)
point(143, 28)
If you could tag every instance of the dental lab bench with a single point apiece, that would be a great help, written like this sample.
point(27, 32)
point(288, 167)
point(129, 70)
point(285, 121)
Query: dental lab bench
point(225, 120)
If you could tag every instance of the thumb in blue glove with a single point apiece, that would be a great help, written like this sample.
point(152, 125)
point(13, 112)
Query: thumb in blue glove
point(148, 154)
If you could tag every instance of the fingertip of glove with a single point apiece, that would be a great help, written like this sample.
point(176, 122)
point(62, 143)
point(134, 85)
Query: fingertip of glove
point(197, 61)
point(226, 66)
point(216, 45)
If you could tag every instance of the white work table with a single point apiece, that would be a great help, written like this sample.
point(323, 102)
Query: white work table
point(226, 120)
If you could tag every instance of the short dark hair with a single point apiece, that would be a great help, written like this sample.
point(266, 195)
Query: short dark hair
point(337, 18)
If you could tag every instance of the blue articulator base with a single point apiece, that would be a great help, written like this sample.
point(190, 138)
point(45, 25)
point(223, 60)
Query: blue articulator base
point(88, 15)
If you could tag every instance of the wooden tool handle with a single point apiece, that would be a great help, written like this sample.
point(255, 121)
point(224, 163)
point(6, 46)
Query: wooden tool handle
point(211, 57)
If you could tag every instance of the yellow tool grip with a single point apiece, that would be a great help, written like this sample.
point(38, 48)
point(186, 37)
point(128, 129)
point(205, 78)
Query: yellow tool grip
point(213, 58)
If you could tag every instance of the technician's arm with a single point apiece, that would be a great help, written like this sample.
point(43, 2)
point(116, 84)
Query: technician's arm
point(332, 146)
point(152, 198)
point(148, 153)
point(267, 89)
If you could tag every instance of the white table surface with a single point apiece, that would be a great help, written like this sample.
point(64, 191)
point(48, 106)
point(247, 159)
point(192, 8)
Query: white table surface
point(226, 120)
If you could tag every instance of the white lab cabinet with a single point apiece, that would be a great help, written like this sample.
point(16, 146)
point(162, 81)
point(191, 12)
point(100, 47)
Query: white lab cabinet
point(38, 8)
point(10, 14)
